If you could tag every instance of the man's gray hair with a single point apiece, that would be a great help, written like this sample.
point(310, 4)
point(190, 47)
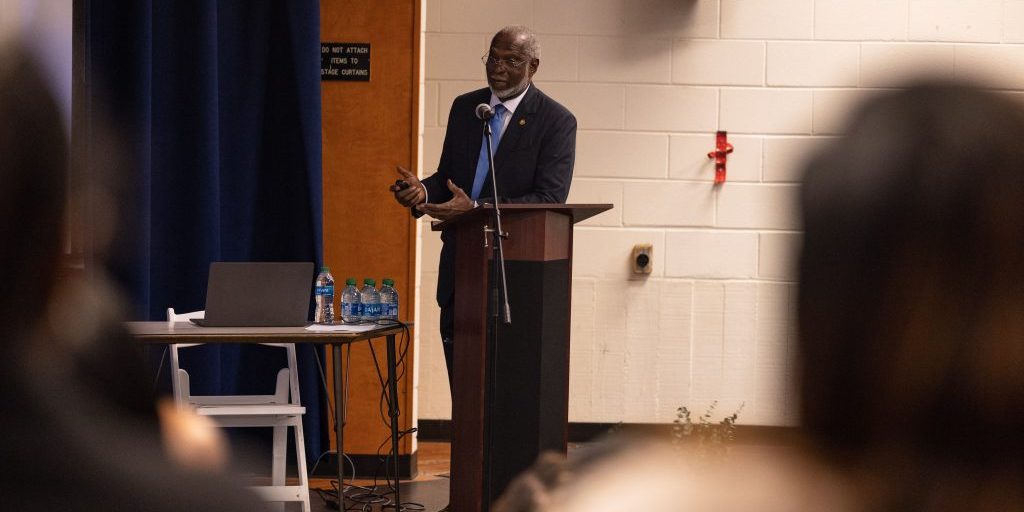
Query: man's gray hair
point(530, 45)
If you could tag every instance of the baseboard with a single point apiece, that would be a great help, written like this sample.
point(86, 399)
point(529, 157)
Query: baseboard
point(434, 430)
point(366, 466)
point(440, 431)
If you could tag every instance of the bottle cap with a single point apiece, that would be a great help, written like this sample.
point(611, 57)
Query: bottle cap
point(388, 281)
point(325, 268)
point(370, 282)
point(351, 281)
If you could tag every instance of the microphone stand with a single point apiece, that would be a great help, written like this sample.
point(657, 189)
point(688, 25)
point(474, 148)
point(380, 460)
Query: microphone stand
point(498, 302)
point(497, 234)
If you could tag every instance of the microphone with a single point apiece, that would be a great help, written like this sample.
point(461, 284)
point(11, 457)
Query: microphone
point(484, 112)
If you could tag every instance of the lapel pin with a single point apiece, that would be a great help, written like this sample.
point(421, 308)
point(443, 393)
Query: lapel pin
point(522, 122)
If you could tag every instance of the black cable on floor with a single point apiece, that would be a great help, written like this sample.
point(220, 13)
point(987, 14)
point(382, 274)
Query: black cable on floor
point(371, 496)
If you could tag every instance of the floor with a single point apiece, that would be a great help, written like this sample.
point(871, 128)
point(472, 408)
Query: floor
point(428, 492)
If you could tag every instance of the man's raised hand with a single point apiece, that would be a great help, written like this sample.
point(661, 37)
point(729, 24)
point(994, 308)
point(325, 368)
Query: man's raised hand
point(459, 203)
point(408, 190)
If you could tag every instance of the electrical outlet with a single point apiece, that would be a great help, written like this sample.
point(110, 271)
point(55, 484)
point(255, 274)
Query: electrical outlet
point(643, 258)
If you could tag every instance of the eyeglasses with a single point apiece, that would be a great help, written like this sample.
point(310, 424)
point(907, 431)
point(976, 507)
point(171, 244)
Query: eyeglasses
point(507, 63)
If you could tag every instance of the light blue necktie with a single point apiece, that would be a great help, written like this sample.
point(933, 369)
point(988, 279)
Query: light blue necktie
point(481, 163)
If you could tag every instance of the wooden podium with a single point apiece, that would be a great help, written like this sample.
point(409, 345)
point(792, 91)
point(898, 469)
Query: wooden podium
point(510, 398)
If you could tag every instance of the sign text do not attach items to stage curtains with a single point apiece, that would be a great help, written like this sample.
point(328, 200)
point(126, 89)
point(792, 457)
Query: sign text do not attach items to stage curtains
point(347, 62)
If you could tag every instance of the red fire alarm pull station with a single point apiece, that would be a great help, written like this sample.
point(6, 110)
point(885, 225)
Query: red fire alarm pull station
point(722, 148)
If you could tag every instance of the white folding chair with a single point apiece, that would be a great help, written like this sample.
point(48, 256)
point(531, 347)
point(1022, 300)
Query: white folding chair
point(280, 410)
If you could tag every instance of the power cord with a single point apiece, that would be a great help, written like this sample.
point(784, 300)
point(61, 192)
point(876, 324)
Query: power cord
point(370, 496)
point(385, 405)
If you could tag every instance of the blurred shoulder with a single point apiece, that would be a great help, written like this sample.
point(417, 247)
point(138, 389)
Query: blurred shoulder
point(664, 476)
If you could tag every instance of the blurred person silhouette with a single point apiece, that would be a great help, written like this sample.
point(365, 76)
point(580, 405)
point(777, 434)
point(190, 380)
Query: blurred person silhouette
point(648, 473)
point(911, 333)
point(911, 300)
point(81, 427)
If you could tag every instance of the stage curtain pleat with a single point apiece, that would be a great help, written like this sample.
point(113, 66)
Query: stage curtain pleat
point(216, 107)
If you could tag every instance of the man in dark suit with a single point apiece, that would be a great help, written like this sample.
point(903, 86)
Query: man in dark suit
point(534, 149)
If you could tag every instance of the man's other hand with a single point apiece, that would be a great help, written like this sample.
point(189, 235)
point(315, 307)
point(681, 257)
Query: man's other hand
point(459, 203)
point(412, 193)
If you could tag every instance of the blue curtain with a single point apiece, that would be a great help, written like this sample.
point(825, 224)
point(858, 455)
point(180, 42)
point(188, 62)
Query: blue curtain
point(217, 105)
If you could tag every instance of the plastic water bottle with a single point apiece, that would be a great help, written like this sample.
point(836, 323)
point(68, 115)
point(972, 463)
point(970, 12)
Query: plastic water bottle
point(370, 300)
point(324, 313)
point(351, 306)
point(388, 300)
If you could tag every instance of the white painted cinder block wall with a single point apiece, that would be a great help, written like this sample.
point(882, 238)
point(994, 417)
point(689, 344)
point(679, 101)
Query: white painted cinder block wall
point(650, 81)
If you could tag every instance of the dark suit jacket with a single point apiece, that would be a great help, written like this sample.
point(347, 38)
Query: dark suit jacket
point(533, 162)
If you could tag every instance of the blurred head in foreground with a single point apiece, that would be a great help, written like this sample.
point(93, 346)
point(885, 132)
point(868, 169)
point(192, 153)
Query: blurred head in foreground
point(33, 171)
point(911, 323)
point(75, 401)
point(911, 294)
point(653, 474)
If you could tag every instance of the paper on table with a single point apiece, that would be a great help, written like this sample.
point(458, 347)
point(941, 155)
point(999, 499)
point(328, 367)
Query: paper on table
point(341, 328)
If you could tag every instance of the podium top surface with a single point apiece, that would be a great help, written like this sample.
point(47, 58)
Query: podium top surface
point(578, 212)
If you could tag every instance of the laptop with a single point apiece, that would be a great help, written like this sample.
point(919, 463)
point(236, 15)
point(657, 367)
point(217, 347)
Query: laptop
point(248, 294)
